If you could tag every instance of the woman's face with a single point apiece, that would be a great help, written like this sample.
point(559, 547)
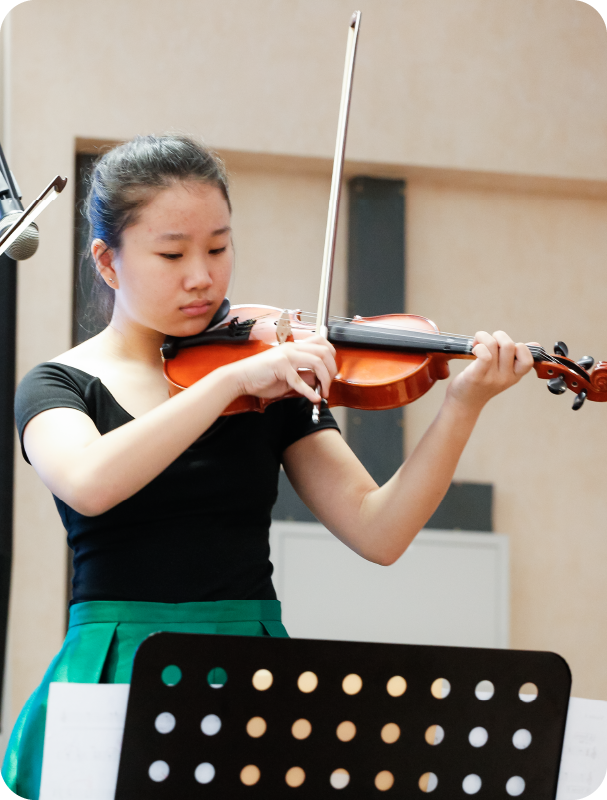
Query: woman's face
point(174, 264)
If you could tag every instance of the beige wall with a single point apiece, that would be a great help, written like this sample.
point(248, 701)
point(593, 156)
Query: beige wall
point(279, 224)
point(509, 87)
point(533, 265)
point(496, 112)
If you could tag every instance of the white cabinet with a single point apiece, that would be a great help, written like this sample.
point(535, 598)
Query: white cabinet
point(449, 588)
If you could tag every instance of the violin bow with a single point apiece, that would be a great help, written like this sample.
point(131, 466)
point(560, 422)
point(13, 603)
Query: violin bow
point(326, 279)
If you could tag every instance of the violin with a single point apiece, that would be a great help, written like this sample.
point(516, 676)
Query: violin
point(383, 362)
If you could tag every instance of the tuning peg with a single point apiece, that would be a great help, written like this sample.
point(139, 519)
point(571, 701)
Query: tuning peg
point(557, 385)
point(579, 400)
point(586, 362)
point(561, 349)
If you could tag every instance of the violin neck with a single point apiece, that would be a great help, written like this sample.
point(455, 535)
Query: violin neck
point(400, 340)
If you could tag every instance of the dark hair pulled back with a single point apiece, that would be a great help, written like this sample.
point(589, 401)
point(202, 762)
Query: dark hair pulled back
point(128, 177)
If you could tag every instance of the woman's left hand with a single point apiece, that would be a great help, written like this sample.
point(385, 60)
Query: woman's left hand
point(499, 364)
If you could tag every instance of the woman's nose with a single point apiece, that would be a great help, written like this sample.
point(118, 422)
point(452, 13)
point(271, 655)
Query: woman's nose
point(198, 275)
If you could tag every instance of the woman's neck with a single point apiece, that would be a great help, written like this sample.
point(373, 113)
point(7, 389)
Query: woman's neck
point(126, 340)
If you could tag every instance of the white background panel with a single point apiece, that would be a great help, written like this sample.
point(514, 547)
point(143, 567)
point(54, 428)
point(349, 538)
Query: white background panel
point(449, 588)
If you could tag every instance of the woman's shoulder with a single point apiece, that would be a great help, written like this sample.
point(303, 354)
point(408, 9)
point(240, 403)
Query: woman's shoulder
point(47, 386)
point(67, 375)
point(82, 357)
point(51, 384)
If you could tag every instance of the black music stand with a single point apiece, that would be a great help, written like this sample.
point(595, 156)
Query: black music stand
point(235, 717)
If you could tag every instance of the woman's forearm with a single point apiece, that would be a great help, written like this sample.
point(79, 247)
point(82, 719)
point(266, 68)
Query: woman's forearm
point(93, 473)
point(113, 467)
point(391, 516)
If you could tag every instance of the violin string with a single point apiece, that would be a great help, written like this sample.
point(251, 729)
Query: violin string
point(420, 334)
point(538, 350)
point(335, 317)
point(387, 325)
point(535, 349)
point(460, 336)
point(429, 339)
point(429, 335)
point(420, 337)
point(425, 337)
point(412, 336)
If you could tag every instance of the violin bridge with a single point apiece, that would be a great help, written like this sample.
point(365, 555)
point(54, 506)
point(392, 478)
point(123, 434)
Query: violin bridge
point(283, 328)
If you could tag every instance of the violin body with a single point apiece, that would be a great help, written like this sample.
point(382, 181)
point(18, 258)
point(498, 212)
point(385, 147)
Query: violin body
point(383, 362)
point(367, 378)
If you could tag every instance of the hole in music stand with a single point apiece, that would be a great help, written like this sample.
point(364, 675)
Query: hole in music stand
point(396, 686)
point(434, 735)
point(210, 725)
point(217, 678)
point(515, 786)
point(250, 775)
point(295, 777)
point(307, 682)
point(352, 684)
point(204, 773)
point(346, 731)
point(159, 771)
point(441, 688)
point(256, 727)
point(340, 778)
point(428, 782)
point(171, 675)
point(528, 692)
point(301, 729)
point(522, 739)
point(262, 680)
point(390, 733)
point(472, 784)
point(384, 780)
point(478, 737)
point(165, 722)
point(484, 690)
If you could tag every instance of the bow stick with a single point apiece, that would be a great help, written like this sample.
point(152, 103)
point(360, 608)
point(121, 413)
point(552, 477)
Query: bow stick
point(326, 279)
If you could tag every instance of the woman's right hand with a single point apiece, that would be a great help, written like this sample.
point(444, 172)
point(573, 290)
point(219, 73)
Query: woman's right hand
point(274, 373)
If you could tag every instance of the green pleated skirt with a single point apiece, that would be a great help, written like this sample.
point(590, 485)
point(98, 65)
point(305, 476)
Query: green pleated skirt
point(99, 648)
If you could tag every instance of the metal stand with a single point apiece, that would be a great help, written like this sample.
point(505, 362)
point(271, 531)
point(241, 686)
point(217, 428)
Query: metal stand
point(234, 717)
point(8, 322)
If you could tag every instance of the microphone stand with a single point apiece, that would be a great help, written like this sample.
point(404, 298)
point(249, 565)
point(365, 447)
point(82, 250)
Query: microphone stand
point(10, 202)
point(8, 338)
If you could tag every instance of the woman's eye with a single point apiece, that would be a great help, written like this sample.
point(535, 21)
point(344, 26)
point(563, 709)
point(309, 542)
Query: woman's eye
point(218, 250)
point(172, 256)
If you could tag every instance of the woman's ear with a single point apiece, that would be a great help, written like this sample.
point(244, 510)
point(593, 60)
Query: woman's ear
point(104, 261)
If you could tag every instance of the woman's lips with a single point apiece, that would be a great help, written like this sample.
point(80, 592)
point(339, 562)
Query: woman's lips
point(196, 310)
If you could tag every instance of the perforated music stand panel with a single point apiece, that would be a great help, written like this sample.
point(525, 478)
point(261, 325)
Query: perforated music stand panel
point(166, 754)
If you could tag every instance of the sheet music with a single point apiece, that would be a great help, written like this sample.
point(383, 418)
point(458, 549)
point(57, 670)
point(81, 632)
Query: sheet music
point(584, 759)
point(85, 723)
point(84, 727)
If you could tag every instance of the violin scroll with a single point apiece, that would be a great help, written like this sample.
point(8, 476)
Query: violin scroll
point(599, 378)
point(582, 377)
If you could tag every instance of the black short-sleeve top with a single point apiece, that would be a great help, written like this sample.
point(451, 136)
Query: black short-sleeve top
point(200, 530)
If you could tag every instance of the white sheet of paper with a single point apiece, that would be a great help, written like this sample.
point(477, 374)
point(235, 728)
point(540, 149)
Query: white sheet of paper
point(84, 727)
point(85, 723)
point(584, 759)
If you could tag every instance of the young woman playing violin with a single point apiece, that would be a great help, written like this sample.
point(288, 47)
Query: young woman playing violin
point(166, 502)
